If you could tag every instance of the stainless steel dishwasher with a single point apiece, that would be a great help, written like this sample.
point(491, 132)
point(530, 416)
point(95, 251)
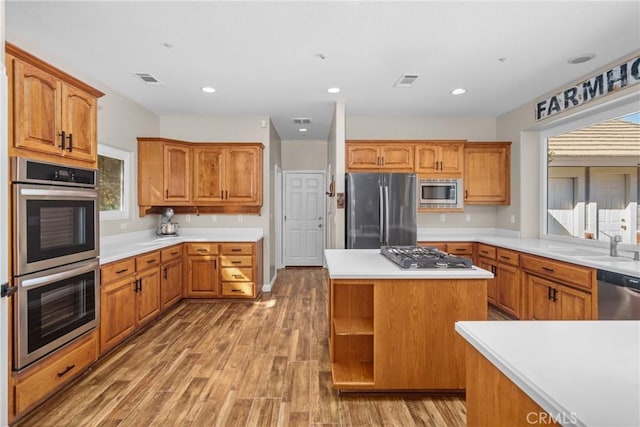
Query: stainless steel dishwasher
point(618, 296)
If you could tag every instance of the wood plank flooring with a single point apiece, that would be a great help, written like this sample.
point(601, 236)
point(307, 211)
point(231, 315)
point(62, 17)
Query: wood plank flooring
point(221, 363)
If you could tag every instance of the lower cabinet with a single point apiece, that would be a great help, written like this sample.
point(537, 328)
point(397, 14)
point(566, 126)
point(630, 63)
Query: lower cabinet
point(43, 378)
point(202, 270)
point(558, 290)
point(171, 280)
point(129, 297)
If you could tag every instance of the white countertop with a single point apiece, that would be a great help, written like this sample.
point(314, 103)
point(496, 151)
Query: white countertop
point(370, 264)
point(581, 254)
point(587, 371)
point(120, 246)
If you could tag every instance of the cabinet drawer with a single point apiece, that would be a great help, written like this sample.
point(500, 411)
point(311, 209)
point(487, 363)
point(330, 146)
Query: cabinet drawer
point(146, 261)
point(460, 248)
point(486, 251)
point(508, 257)
point(118, 269)
point(237, 274)
point(52, 374)
point(568, 273)
point(236, 261)
point(173, 252)
point(230, 289)
point(441, 246)
point(236, 248)
point(202, 248)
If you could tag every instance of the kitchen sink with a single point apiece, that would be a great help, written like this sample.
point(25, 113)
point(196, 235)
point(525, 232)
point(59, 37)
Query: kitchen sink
point(579, 252)
point(607, 258)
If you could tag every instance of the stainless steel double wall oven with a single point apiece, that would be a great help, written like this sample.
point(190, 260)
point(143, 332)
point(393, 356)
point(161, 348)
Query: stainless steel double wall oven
point(56, 245)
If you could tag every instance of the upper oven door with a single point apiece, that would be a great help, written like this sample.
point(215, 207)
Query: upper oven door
point(54, 225)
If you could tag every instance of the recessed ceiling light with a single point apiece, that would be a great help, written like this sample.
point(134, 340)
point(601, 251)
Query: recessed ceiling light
point(208, 89)
point(302, 130)
point(458, 91)
point(333, 90)
point(581, 59)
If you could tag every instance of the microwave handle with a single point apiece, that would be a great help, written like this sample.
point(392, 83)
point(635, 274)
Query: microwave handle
point(381, 201)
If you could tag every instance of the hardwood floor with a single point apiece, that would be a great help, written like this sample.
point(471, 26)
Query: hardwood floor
point(221, 363)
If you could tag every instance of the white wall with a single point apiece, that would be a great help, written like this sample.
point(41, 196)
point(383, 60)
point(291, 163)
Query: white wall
point(229, 129)
point(520, 127)
point(275, 158)
point(336, 159)
point(304, 155)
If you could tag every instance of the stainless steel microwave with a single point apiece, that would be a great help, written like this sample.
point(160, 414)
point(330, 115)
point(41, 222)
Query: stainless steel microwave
point(442, 193)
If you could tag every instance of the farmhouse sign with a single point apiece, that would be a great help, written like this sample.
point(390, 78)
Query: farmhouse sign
point(618, 77)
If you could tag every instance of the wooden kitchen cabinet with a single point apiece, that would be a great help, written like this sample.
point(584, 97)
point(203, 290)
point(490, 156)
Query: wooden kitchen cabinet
point(440, 158)
point(389, 156)
point(171, 281)
point(201, 270)
point(558, 290)
point(487, 173)
point(53, 116)
point(486, 259)
point(240, 271)
point(129, 297)
point(203, 177)
point(227, 175)
point(504, 291)
point(462, 249)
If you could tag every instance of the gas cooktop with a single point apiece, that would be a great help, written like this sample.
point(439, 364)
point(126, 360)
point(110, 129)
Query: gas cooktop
point(415, 257)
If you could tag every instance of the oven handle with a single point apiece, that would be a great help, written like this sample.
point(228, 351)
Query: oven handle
point(39, 281)
point(85, 194)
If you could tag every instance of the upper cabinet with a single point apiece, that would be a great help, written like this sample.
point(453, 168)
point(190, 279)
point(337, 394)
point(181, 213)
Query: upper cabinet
point(199, 177)
point(52, 116)
point(373, 156)
point(440, 158)
point(487, 173)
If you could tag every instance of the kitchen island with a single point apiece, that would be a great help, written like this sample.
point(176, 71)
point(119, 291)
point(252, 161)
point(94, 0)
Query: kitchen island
point(584, 373)
point(393, 329)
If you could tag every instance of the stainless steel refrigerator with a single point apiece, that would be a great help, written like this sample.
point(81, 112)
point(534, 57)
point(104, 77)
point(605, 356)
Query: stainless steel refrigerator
point(381, 210)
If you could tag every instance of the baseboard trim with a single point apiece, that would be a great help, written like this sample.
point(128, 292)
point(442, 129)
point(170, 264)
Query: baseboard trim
point(268, 286)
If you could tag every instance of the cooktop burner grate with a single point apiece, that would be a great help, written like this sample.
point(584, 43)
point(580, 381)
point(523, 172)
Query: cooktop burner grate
point(415, 257)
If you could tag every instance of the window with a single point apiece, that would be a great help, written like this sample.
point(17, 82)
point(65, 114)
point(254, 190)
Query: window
point(593, 176)
point(115, 180)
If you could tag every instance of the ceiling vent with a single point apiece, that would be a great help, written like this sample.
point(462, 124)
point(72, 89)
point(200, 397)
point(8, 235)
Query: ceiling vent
point(406, 80)
point(301, 120)
point(149, 79)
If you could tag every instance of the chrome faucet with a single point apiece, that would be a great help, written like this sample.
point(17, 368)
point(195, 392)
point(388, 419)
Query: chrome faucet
point(613, 243)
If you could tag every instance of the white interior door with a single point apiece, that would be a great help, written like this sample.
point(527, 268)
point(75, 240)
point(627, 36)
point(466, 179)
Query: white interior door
point(304, 218)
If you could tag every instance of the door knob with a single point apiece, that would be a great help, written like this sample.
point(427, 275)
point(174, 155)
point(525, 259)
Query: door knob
point(319, 225)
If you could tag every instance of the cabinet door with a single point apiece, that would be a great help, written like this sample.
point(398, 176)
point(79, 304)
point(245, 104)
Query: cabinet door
point(363, 157)
point(573, 304)
point(37, 110)
point(508, 284)
point(202, 276)
point(452, 159)
point(171, 290)
point(492, 289)
point(242, 169)
point(541, 306)
point(117, 312)
point(208, 175)
point(176, 173)
point(79, 123)
point(486, 174)
point(397, 157)
point(427, 157)
point(148, 296)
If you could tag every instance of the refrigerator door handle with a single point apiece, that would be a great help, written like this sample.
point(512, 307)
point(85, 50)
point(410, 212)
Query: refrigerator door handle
point(381, 216)
point(386, 215)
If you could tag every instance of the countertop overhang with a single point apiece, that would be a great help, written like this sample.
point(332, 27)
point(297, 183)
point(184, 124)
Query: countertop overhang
point(587, 371)
point(370, 264)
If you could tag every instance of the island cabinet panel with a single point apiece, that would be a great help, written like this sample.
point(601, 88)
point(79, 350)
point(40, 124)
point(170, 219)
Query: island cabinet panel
point(391, 334)
point(492, 397)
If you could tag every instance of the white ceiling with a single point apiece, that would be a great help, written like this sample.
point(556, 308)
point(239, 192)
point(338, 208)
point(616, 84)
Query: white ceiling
point(264, 58)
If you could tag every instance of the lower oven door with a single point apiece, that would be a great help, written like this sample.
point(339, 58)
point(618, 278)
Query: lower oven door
point(54, 307)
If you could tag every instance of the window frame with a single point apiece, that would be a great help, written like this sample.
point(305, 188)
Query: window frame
point(127, 159)
point(589, 117)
